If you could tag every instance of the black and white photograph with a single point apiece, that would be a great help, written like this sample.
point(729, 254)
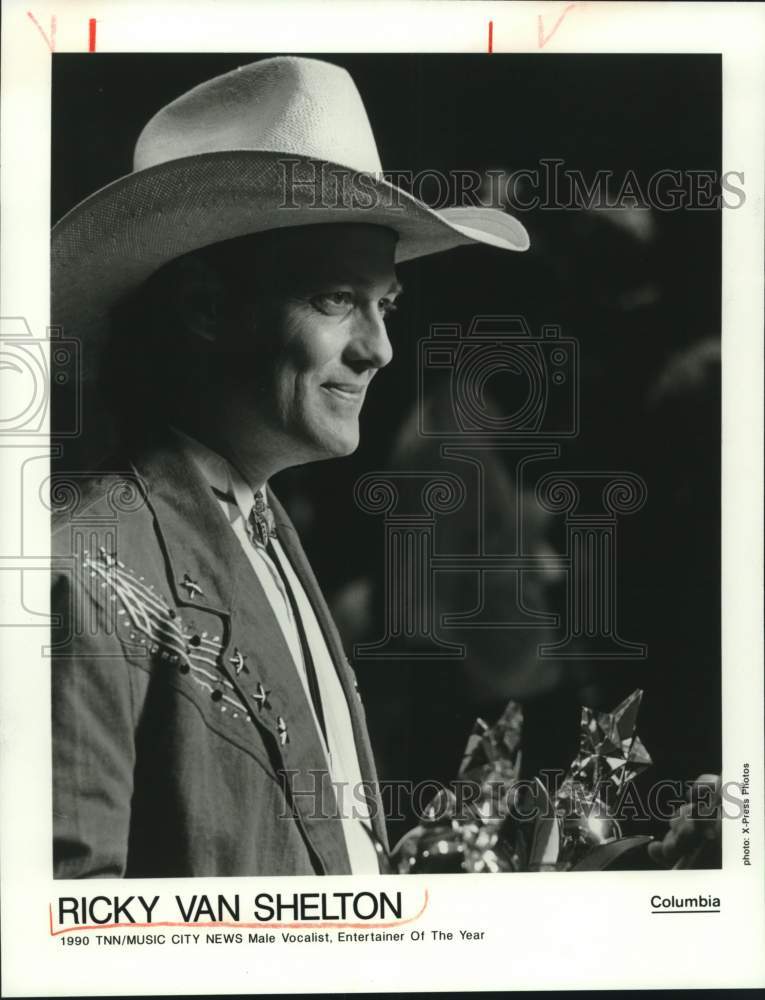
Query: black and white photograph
point(383, 489)
point(387, 478)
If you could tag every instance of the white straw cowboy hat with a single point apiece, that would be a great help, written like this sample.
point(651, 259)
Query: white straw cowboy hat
point(281, 142)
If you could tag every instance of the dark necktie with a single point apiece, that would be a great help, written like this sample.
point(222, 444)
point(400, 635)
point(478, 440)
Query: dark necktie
point(264, 530)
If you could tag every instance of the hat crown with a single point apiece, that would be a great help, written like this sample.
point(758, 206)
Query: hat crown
point(302, 107)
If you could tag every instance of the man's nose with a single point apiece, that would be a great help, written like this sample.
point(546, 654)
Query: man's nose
point(370, 346)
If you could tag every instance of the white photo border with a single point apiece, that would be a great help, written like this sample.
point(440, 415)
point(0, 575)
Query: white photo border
point(543, 931)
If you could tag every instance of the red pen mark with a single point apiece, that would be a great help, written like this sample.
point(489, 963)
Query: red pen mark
point(92, 35)
point(491, 36)
point(50, 42)
point(541, 28)
point(230, 923)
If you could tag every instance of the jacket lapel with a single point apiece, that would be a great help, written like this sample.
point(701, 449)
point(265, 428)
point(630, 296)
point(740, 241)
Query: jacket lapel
point(291, 544)
point(209, 572)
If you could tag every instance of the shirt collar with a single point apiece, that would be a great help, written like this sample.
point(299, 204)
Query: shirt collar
point(220, 475)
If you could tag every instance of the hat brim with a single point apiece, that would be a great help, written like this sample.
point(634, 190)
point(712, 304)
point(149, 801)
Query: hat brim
point(117, 237)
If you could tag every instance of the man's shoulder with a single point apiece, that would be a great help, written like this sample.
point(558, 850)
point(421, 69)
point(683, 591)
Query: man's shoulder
point(141, 505)
point(110, 496)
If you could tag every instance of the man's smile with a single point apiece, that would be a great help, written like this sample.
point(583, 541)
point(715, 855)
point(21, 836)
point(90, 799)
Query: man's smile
point(348, 392)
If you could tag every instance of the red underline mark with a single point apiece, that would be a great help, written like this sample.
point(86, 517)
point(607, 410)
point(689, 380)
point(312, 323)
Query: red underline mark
point(491, 36)
point(92, 34)
point(542, 41)
point(50, 42)
point(300, 925)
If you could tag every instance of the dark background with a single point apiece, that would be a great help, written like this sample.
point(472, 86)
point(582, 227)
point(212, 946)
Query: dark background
point(643, 301)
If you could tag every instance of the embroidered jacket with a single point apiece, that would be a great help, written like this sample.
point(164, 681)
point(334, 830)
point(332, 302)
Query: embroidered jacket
point(182, 740)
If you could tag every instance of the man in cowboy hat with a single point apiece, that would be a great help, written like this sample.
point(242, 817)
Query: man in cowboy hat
point(230, 296)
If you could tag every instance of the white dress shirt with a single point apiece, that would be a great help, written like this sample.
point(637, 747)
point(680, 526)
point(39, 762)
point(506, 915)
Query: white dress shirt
point(235, 499)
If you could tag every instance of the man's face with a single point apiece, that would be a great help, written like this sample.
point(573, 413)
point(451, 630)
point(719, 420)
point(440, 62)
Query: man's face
point(305, 353)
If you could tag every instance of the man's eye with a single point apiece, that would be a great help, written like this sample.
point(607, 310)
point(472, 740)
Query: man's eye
point(387, 306)
point(333, 303)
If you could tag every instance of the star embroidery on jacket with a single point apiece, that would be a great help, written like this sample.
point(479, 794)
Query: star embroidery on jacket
point(281, 726)
point(239, 662)
point(192, 587)
point(150, 622)
point(261, 697)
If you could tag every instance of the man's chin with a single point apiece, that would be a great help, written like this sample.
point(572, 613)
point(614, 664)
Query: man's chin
point(343, 448)
point(336, 445)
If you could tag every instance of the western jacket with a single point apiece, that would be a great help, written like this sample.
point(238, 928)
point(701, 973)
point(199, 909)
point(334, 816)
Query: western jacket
point(183, 743)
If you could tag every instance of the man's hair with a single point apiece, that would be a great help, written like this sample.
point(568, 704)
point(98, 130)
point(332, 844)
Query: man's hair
point(150, 349)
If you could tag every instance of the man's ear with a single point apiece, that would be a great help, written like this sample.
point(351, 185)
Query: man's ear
point(200, 299)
